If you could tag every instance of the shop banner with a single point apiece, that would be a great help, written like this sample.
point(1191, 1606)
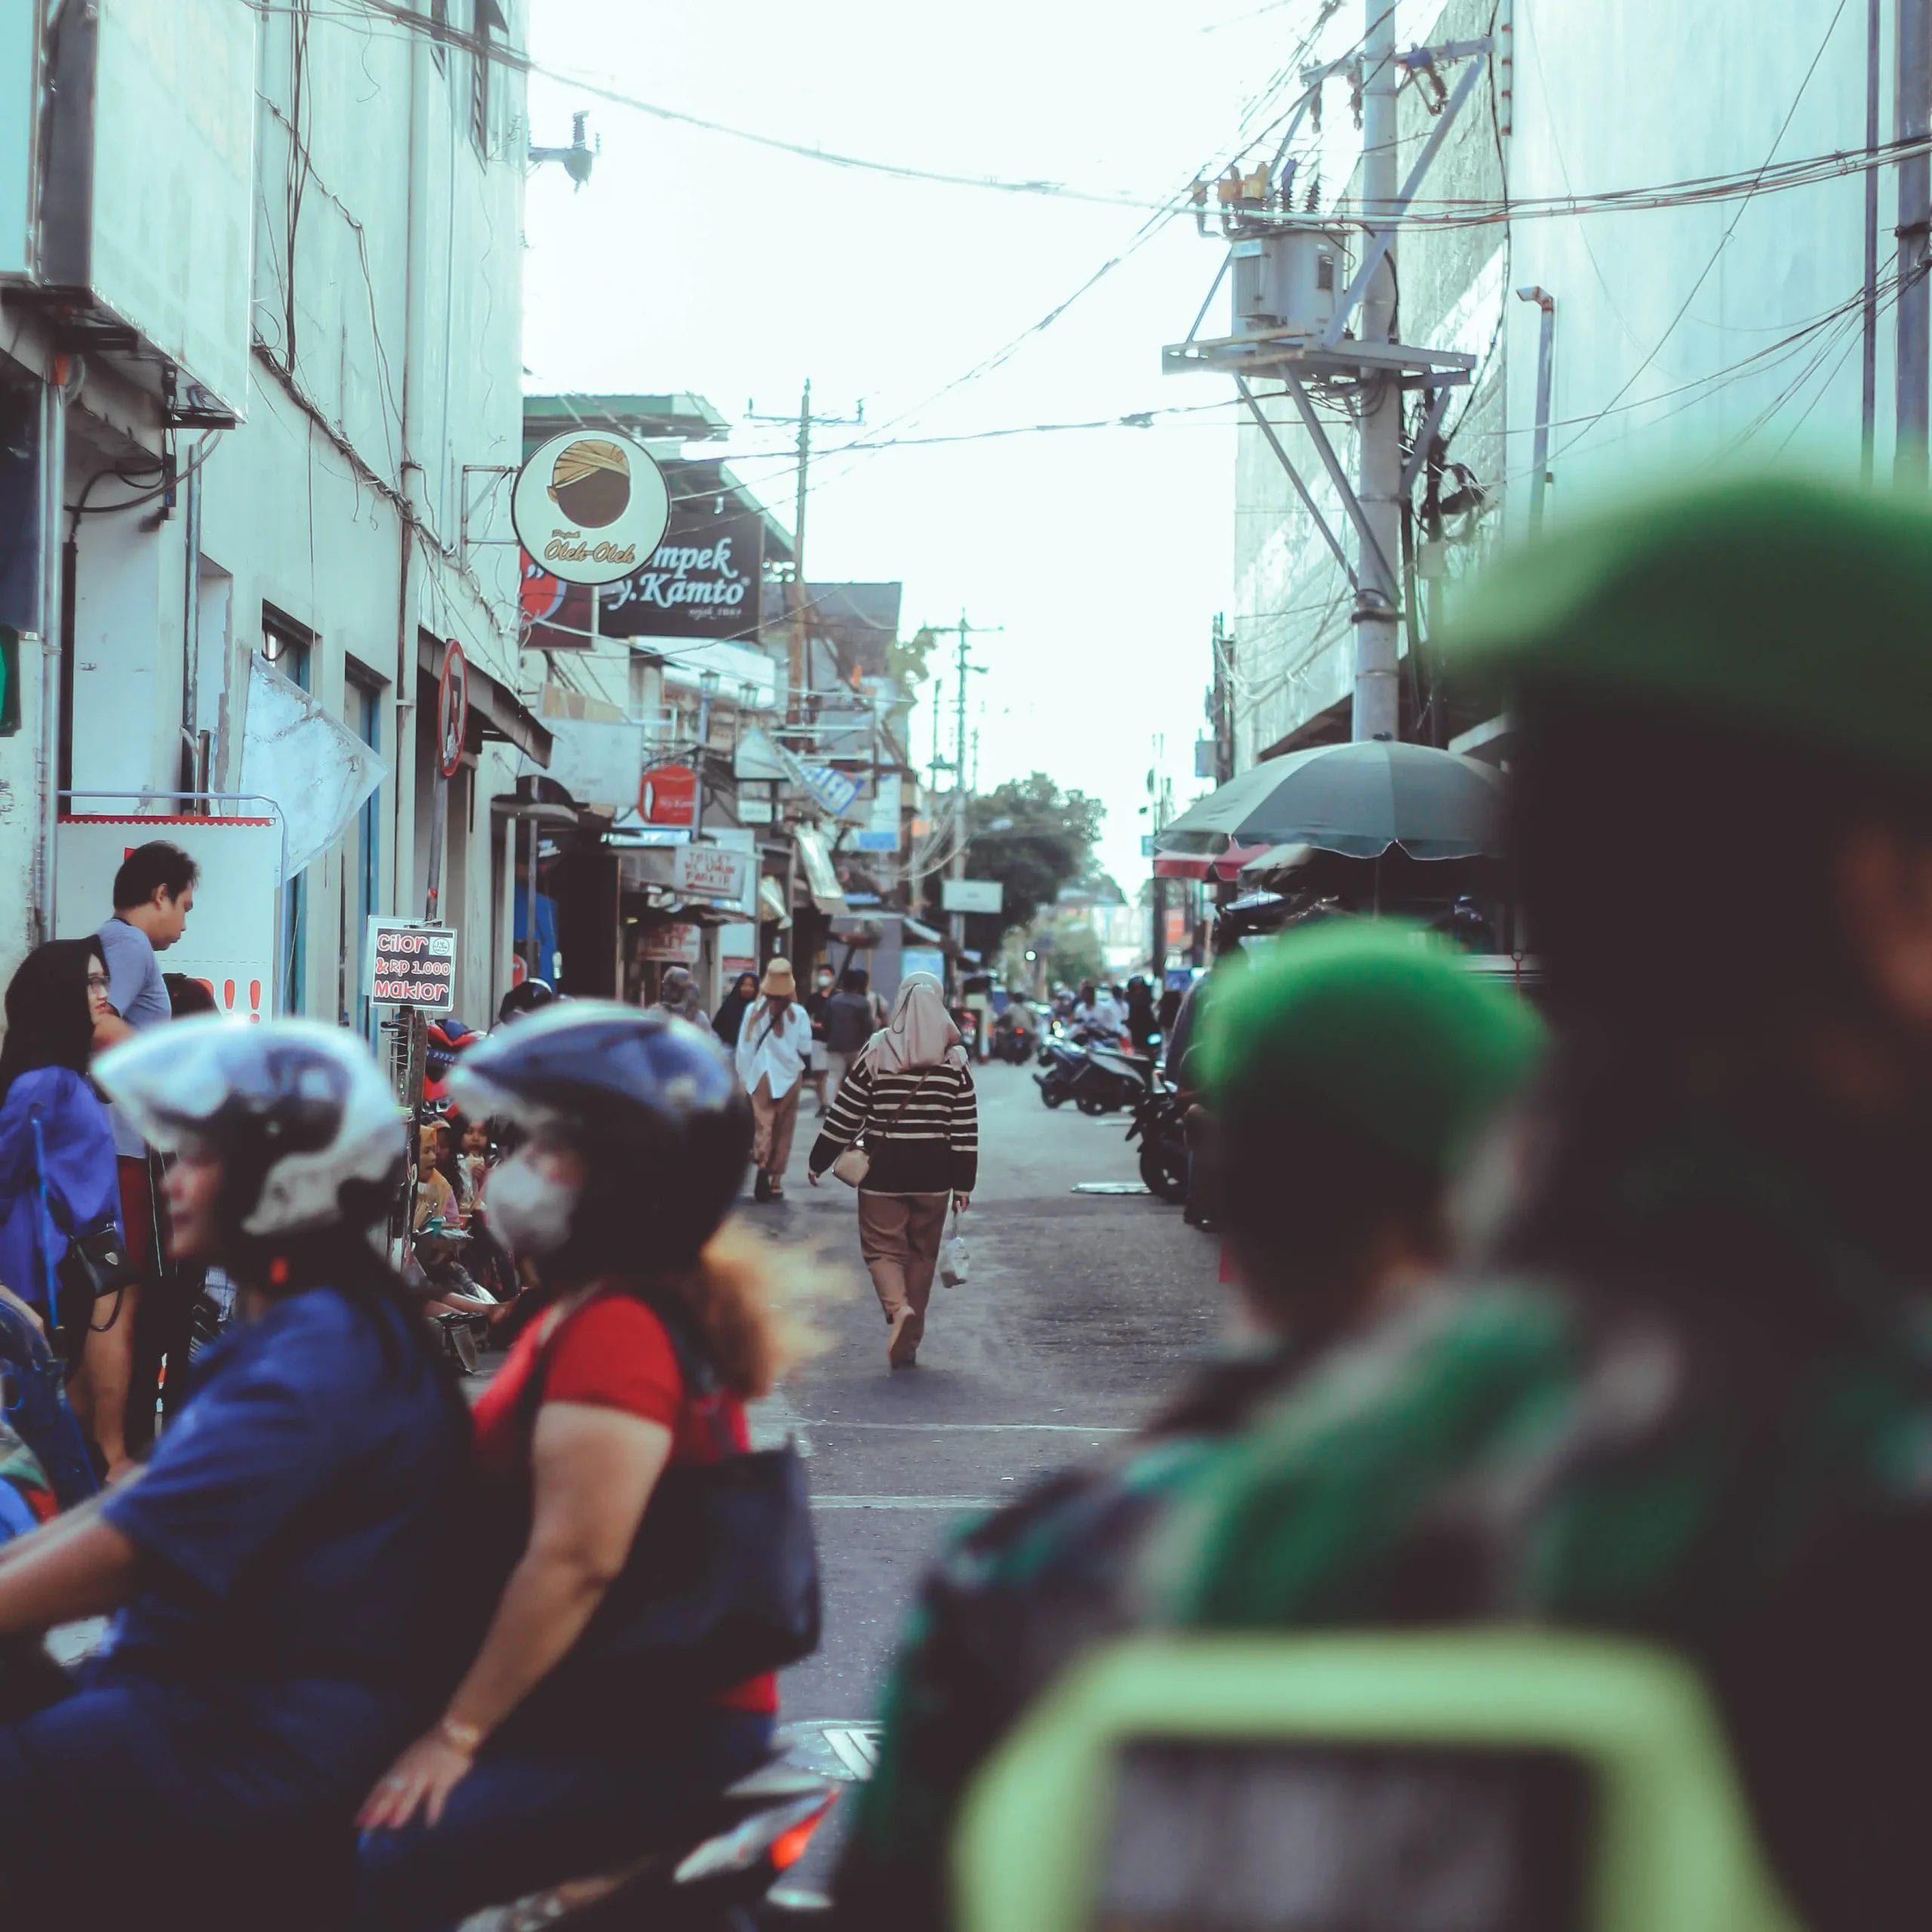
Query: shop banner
point(703, 579)
point(229, 945)
point(710, 872)
point(411, 964)
point(673, 943)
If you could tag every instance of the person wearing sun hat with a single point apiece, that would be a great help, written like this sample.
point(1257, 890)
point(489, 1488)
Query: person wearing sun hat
point(774, 1046)
point(1353, 1069)
point(1682, 1387)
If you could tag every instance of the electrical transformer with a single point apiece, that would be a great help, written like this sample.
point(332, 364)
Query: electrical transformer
point(1287, 283)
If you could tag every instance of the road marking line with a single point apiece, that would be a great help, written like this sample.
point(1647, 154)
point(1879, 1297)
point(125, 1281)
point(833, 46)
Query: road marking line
point(977, 1428)
point(955, 1502)
point(856, 1750)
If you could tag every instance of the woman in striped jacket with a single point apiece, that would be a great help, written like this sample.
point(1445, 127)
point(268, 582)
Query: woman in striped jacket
point(909, 1096)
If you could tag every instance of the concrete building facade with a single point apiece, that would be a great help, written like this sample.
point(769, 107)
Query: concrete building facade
point(312, 482)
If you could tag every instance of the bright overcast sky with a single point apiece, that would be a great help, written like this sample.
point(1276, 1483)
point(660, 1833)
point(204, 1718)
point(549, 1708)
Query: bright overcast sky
point(697, 261)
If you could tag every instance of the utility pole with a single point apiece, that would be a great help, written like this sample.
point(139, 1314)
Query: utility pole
point(1378, 684)
point(1911, 115)
point(795, 703)
point(964, 667)
point(1874, 47)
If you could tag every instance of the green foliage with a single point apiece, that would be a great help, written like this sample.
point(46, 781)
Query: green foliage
point(1072, 951)
point(1034, 839)
point(906, 660)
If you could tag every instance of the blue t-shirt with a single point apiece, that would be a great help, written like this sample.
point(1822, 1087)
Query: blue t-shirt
point(83, 1189)
point(136, 991)
point(295, 1516)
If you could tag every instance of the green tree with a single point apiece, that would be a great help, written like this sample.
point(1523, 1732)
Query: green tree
point(1034, 839)
point(1072, 951)
point(906, 660)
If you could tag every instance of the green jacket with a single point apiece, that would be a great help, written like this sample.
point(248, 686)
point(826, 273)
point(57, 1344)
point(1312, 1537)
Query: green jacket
point(1693, 1402)
point(1015, 1597)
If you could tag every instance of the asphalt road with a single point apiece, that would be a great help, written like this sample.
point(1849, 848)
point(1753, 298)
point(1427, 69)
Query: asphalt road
point(1081, 1314)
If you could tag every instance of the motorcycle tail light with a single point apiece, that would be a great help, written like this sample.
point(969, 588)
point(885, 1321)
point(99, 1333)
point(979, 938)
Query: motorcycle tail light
point(778, 1836)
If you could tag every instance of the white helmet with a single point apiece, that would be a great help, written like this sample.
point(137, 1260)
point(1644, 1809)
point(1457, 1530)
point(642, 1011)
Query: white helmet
point(310, 1138)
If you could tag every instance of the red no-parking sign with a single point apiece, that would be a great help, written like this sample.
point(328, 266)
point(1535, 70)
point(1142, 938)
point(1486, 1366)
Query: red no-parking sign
point(452, 710)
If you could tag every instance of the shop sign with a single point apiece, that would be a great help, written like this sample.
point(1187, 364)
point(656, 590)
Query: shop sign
point(828, 786)
point(881, 831)
point(590, 506)
point(972, 895)
point(411, 964)
point(667, 795)
point(709, 872)
point(701, 581)
point(674, 942)
point(230, 944)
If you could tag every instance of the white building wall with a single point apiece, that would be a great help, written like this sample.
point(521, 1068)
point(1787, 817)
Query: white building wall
point(1686, 336)
point(338, 504)
point(1708, 333)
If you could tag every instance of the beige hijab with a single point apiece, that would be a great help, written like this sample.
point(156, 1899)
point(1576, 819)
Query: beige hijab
point(920, 1032)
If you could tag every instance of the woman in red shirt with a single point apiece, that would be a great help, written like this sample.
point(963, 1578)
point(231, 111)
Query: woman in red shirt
point(653, 1331)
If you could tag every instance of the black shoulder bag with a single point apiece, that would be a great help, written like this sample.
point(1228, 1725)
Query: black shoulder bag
point(722, 1583)
point(96, 1264)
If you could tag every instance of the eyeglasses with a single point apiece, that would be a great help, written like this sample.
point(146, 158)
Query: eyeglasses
point(98, 982)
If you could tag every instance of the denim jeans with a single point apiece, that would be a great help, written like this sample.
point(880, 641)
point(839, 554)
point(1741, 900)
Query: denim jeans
point(524, 1819)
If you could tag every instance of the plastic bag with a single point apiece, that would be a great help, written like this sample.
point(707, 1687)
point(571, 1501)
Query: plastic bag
point(955, 1263)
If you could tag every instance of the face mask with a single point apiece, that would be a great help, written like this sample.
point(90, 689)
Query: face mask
point(532, 1214)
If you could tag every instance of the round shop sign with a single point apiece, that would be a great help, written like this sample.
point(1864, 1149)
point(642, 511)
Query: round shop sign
point(590, 506)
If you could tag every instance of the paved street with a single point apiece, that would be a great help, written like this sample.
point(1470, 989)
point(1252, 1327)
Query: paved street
point(1080, 1313)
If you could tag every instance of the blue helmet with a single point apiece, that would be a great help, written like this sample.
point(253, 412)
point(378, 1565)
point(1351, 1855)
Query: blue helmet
point(650, 1103)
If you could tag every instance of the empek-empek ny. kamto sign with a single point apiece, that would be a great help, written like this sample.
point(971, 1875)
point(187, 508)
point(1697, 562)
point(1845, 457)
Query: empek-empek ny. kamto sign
point(701, 581)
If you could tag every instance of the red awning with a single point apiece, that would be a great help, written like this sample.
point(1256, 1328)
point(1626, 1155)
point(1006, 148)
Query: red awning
point(1223, 865)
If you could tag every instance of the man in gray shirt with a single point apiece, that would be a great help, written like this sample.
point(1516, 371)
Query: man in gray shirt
point(154, 893)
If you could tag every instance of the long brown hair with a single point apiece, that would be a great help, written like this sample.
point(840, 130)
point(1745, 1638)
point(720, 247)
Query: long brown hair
point(732, 1294)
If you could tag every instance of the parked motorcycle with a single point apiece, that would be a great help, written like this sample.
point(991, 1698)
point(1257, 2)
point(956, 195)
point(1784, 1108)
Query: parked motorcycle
point(1062, 1062)
point(1160, 1124)
point(1112, 1079)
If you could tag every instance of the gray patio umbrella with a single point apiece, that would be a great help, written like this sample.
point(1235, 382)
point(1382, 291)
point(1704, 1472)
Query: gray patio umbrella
point(1358, 800)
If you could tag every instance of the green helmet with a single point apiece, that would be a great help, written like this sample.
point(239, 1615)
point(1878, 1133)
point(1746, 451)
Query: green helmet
point(1377, 1027)
point(1797, 611)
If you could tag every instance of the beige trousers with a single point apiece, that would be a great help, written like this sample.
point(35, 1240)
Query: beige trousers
point(899, 1236)
point(773, 1124)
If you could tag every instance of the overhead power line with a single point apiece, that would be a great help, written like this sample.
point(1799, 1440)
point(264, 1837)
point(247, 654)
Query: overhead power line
point(487, 47)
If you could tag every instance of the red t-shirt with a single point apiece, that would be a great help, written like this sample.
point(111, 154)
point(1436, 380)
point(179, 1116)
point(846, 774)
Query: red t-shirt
point(613, 1353)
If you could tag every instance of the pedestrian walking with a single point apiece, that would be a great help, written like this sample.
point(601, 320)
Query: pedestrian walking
point(909, 1098)
point(1142, 1024)
point(678, 995)
point(726, 1022)
point(849, 1024)
point(816, 1002)
point(774, 1048)
point(54, 1137)
point(154, 893)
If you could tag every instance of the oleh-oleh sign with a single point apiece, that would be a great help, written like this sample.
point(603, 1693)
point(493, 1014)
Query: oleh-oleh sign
point(590, 506)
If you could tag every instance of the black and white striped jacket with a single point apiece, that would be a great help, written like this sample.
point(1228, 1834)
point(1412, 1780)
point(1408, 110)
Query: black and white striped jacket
point(921, 1128)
